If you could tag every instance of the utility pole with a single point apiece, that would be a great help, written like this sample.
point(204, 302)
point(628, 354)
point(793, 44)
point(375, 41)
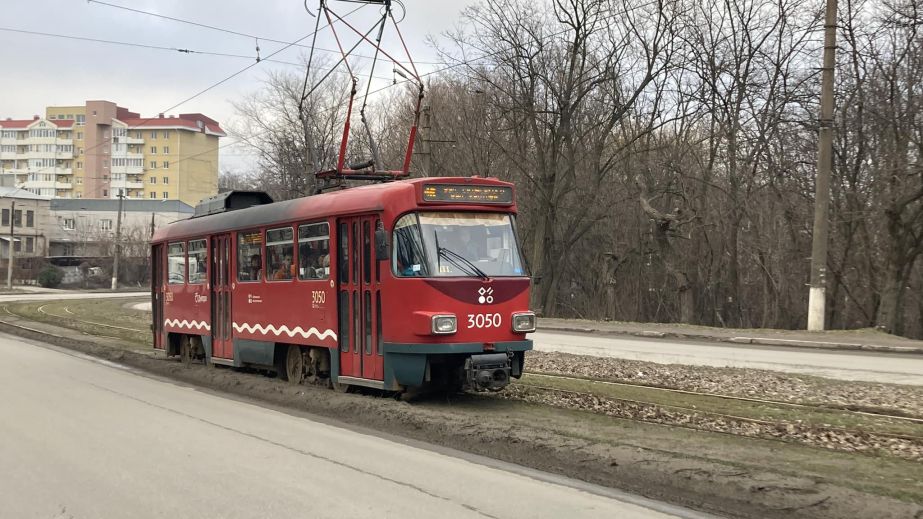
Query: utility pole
point(817, 297)
point(427, 145)
point(9, 265)
point(118, 244)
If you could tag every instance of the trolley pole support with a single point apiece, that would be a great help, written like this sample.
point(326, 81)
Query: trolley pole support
point(118, 243)
point(9, 266)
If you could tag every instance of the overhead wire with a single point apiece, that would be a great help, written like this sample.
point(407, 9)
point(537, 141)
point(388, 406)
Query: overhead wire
point(162, 48)
point(395, 83)
point(199, 93)
point(231, 31)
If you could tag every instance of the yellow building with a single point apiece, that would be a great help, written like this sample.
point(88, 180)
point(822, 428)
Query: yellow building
point(99, 149)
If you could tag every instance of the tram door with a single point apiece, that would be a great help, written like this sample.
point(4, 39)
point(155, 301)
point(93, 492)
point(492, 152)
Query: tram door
point(358, 298)
point(220, 280)
point(157, 294)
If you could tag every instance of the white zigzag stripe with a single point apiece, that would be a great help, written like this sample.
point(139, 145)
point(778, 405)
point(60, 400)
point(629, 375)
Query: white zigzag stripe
point(187, 324)
point(291, 332)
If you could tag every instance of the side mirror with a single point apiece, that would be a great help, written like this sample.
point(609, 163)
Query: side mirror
point(382, 247)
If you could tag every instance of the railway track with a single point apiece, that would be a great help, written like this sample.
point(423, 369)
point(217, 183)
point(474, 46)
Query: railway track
point(780, 403)
point(860, 440)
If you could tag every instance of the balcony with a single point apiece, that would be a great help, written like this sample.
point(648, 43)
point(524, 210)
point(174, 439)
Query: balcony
point(46, 184)
point(132, 140)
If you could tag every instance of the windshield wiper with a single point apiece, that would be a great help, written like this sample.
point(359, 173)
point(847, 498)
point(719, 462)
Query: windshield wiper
point(458, 258)
point(463, 263)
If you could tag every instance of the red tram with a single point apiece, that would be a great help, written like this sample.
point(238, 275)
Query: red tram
point(390, 286)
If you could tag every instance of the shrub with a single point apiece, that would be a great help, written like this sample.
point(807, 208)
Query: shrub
point(50, 277)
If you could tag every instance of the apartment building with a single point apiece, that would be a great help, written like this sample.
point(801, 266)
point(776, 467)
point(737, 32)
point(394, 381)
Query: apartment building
point(99, 149)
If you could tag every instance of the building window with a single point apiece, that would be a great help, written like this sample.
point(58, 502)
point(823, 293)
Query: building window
point(70, 224)
point(153, 150)
point(79, 165)
point(79, 136)
point(166, 149)
point(30, 218)
point(105, 224)
point(153, 180)
point(153, 164)
point(5, 219)
point(17, 218)
point(79, 194)
point(166, 195)
point(78, 181)
point(105, 193)
point(17, 245)
point(166, 164)
point(154, 135)
point(153, 194)
point(81, 151)
point(166, 180)
point(166, 135)
point(30, 244)
point(81, 119)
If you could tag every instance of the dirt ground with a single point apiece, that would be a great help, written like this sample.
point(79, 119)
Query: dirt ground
point(723, 474)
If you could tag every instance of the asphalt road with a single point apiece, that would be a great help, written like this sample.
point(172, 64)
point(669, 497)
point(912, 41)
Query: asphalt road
point(845, 365)
point(83, 438)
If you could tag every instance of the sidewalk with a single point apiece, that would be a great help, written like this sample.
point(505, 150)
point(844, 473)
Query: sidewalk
point(865, 339)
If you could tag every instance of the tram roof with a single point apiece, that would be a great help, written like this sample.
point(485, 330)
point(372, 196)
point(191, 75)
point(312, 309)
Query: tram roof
point(391, 197)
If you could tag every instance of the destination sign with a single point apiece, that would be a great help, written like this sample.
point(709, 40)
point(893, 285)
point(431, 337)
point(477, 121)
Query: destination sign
point(468, 194)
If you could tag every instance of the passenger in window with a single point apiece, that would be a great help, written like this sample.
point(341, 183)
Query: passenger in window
point(255, 269)
point(285, 269)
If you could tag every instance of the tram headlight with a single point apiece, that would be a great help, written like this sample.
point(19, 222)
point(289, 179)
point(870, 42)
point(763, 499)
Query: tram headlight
point(524, 322)
point(444, 324)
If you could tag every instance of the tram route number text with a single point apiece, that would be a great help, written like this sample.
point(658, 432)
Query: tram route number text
point(484, 320)
point(318, 297)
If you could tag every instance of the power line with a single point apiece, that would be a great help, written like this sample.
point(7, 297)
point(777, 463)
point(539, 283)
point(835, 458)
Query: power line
point(226, 30)
point(169, 49)
point(239, 72)
point(138, 45)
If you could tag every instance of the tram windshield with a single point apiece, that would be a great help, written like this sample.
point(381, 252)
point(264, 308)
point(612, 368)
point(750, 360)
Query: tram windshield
point(456, 245)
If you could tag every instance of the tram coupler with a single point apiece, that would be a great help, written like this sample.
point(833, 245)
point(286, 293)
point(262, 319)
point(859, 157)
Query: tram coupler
point(488, 372)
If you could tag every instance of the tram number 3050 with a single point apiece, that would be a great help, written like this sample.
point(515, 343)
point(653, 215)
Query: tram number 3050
point(484, 320)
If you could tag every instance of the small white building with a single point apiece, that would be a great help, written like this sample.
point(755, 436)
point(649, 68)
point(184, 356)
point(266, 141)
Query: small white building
point(26, 216)
point(83, 228)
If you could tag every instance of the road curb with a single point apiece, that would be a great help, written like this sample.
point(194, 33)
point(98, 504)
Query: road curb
point(761, 341)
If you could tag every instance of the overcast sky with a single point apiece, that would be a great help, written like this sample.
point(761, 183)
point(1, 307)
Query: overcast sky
point(41, 70)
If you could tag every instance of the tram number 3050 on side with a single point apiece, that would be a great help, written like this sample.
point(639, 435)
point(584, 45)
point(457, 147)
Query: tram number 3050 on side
point(484, 320)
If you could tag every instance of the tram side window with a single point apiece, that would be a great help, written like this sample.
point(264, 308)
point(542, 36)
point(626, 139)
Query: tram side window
point(280, 252)
point(176, 263)
point(249, 256)
point(408, 257)
point(314, 251)
point(197, 262)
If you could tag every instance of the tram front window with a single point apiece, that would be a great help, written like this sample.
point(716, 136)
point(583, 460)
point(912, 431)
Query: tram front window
point(456, 245)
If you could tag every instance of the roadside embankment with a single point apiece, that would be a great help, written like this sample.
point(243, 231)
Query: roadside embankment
point(865, 339)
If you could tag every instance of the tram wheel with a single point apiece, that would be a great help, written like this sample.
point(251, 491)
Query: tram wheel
point(294, 365)
point(341, 388)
